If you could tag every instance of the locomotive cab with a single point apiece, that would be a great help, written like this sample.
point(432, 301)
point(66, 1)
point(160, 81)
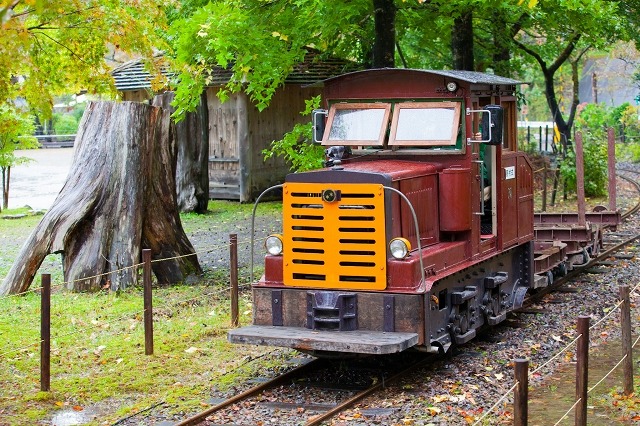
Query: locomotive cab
point(416, 234)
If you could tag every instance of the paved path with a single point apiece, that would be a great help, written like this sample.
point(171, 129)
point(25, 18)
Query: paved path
point(37, 183)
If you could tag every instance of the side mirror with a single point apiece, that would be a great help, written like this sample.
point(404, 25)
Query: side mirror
point(318, 120)
point(493, 125)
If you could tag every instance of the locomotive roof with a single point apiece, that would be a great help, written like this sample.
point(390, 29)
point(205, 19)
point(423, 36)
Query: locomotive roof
point(472, 77)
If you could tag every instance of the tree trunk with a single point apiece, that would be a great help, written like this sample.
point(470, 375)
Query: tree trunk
point(192, 171)
point(119, 198)
point(462, 42)
point(385, 34)
point(5, 187)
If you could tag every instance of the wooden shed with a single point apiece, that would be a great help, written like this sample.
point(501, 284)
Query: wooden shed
point(238, 132)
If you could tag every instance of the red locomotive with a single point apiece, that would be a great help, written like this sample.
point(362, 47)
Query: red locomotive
point(417, 233)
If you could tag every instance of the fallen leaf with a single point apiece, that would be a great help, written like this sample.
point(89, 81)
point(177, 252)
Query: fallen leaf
point(440, 398)
point(434, 410)
point(77, 408)
point(191, 350)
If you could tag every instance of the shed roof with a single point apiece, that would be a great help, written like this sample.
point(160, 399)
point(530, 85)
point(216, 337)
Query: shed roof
point(133, 76)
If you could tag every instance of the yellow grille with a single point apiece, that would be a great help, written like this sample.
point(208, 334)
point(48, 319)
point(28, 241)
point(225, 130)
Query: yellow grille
point(339, 244)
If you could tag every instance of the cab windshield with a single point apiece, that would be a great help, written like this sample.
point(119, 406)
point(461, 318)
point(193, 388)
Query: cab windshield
point(394, 125)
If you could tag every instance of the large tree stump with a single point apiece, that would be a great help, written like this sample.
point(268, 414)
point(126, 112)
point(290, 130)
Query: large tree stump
point(119, 198)
point(192, 139)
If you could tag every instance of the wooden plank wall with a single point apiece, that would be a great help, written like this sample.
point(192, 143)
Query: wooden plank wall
point(271, 124)
point(141, 95)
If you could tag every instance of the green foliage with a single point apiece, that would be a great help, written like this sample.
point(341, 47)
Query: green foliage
point(64, 124)
point(595, 170)
point(297, 146)
point(16, 130)
point(593, 121)
point(260, 43)
point(49, 48)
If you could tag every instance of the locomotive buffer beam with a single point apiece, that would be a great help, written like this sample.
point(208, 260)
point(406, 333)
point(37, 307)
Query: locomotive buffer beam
point(304, 339)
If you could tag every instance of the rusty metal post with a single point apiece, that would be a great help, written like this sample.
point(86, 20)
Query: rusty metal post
point(611, 165)
point(521, 393)
point(625, 322)
point(148, 305)
point(233, 272)
point(45, 333)
point(582, 370)
point(580, 179)
point(544, 186)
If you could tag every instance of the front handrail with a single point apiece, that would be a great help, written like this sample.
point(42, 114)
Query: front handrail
point(253, 221)
point(415, 222)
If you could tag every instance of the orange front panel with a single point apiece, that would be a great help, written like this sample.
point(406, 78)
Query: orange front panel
point(338, 244)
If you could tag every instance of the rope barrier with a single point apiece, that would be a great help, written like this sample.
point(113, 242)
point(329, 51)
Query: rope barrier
point(607, 315)
point(556, 355)
point(568, 411)
point(496, 404)
point(560, 353)
point(137, 265)
point(607, 375)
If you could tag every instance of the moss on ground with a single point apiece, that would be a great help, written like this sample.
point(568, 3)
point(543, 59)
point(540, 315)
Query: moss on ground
point(98, 359)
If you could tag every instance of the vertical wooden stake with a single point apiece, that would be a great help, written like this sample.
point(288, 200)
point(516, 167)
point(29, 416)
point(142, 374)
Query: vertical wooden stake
point(148, 305)
point(582, 370)
point(540, 137)
point(45, 333)
point(611, 167)
point(544, 187)
point(546, 137)
point(625, 322)
point(580, 180)
point(521, 393)
point(233, 272)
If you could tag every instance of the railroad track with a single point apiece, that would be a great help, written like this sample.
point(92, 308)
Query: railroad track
point(383, 378)
point(613, 242)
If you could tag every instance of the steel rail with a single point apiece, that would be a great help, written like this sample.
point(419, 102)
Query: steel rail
point(316, 420)
point(201, 417)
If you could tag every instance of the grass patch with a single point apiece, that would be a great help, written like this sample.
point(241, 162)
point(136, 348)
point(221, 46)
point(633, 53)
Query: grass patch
point(223, 212)
point(97, 350)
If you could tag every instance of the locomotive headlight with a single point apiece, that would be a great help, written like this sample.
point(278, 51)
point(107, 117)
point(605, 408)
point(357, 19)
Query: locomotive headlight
point(330, 195)
point(273, 244)
point(400, 248)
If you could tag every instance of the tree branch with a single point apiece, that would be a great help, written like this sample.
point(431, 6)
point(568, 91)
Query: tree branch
point(566, 53)
point(74, 54)
point(533, 53)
